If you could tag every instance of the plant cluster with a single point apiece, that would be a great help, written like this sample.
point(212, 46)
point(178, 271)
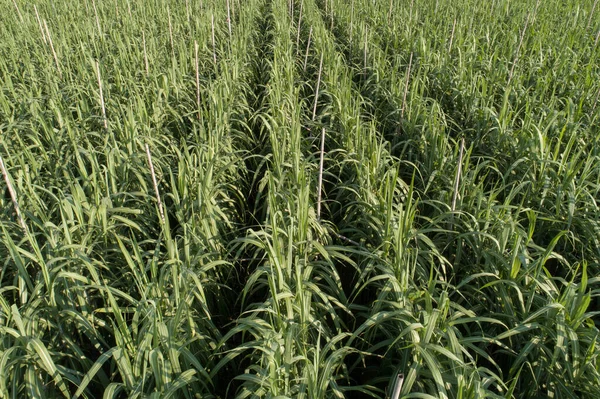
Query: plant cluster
point(299, 199)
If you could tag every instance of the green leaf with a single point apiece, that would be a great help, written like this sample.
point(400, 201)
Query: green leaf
point(45, 362)
point(89, 376)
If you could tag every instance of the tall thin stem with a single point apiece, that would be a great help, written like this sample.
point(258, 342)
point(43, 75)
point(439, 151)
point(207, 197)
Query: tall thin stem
point(365, 49)
point(97, 19)
point(591, 15)
point(155, 184)
point(18, 11)
point(458, 174)
point(398, 386)
point(406, 86)
point(37, 16)
point(233, 10)
point(298, 28)
point(212, 23)
point(101, 95)
point(351, 20)
point(320, 184)
point(146, 64)
point(187, 10)
point(52, 48)
point(13, 195)
point(452, 36)
point(197, 78)
point(171, 32)
point(331, 15)
point(307, 48)
point(314, 114)
point(229, 19)
point(516, 59)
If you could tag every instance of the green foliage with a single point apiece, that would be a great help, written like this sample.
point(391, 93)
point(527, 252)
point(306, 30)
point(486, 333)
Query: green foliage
point(204, 269)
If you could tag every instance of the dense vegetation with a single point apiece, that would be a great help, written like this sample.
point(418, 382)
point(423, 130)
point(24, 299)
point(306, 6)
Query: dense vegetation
point(276, 198)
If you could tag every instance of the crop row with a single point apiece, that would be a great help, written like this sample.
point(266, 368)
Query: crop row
point(299, 198)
